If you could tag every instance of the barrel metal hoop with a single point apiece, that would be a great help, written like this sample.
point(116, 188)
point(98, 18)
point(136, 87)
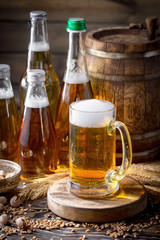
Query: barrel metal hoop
point(115, 55)
point(141, 154)
point(143, 136)
point(124, 78)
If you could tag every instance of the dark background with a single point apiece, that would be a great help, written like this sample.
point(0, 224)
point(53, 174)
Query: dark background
point(14, 28)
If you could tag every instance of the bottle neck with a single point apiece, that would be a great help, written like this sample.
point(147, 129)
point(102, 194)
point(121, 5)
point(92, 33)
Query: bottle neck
point(39, 31)
point(39, 54)
point(76, 45)
point(36, 96)
point(6, 90)
point(76, 72)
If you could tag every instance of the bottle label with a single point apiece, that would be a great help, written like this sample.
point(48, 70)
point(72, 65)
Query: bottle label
point(75, 78)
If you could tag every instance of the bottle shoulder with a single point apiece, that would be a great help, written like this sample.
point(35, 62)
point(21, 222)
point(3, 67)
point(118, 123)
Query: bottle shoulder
point(72, 92)
point(23, 80)
point(51, 76)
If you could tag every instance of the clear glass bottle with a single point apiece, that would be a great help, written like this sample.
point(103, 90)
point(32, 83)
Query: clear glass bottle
point(39, 57)
point(76, 86)
point(37, 149)
point(9, 118)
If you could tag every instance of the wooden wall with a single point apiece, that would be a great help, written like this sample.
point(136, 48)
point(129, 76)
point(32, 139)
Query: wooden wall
point(14, 28)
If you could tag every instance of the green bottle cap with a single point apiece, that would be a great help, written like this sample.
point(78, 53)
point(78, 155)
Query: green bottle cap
point(76, 24)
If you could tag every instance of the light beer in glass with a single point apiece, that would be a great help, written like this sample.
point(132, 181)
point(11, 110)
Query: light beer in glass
point(92, 148)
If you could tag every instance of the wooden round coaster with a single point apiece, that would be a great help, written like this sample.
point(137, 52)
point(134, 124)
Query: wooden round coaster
point(130, 199)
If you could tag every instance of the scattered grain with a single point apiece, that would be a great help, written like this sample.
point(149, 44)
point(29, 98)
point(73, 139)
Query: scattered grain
point(3, 219)
point(77, 225)
point(15, 201)
point(1, 206)
point(3, 199)
point(21, 223)
point(83, 238)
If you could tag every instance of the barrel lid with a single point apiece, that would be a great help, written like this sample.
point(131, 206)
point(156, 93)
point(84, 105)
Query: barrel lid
point(121, 40)
point(37, 14)
point(76, 24)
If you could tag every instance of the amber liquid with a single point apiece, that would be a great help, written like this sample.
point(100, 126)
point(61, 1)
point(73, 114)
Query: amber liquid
point(42, 60)
point(69, 93)
point(92, 154)
point(37, 144)
point(9, 128)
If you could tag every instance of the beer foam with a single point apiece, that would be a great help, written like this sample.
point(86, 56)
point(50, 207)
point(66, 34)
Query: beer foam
point(39, 46)
point(35, 101)
point(75, 78)
point(91, 113)
point(6, 93)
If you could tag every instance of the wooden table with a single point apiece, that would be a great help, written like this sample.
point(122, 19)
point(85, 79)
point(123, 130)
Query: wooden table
point(39, 209)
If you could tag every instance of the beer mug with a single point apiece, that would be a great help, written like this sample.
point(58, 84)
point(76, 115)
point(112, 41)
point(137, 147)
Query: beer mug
point(9, 118)
point(92, 149)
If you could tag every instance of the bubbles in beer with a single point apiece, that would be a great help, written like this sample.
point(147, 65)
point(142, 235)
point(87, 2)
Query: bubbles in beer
point(35, 101)
point(39, 46)
point(91, 113)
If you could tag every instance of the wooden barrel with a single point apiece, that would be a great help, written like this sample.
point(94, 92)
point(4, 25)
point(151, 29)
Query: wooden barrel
point(124, 68)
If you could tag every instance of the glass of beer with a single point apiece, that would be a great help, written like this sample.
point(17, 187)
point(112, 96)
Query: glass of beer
point(92, 149)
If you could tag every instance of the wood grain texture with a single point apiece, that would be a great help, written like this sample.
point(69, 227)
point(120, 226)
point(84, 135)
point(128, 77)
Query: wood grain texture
point(124, 69)
point(95, 11)
point(62, 10)
point(14, 39)
point(130, 199)
point(39, 210)
point(18, 61)
point(151, 24)
point(14, 27)
point(15, 36)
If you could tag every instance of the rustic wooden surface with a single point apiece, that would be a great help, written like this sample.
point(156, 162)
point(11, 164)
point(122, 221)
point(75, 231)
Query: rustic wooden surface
point(14, 37)
point(120, 73)
point(39, 210)
point(130, 199)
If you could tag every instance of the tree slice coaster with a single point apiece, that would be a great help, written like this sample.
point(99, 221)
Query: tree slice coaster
point(130, 199)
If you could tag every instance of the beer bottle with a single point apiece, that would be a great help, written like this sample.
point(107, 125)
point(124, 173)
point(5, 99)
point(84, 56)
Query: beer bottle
point(9, 118)
point(76, 86)
point(37, 140)
point(39, 57)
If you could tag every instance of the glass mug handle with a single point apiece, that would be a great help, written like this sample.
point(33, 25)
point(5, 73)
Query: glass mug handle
point(112, 175)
